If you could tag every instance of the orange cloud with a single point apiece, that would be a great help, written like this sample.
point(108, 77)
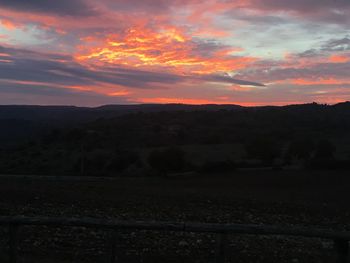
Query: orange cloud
point(100, 88)
point(219, 100)
point(304, 62)
point(111, 90)
point(339, 59)
point(4, 55)
point(319, 81)
point(5, 60)
point(181, 101)
point(168, 48)
point(119, 93)
point(240, 88)
point(8, 24)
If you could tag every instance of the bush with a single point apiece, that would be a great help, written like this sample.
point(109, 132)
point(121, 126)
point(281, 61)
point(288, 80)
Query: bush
point(264, 149)
point(167, 160)
point(122, 160)
point(328, 164)
point(324, 150)
point(300, 149)
point(219, 166)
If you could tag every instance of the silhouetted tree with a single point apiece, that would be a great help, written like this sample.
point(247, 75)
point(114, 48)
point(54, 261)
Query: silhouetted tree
point(300, 149)
point(96, 161)
point(324, 150)
point(323, 157)
point(167, 160)
point(264, 149)
point(121, 160)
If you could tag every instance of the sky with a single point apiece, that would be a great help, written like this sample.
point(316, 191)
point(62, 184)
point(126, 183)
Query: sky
point(247, 52)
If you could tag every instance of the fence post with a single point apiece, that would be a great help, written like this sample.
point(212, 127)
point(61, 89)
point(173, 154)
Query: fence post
point(342, 250)
point(221, 248)
point(113, 244)
point(13, 231)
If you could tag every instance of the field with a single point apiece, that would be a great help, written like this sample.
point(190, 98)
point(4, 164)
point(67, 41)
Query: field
point(315, 199)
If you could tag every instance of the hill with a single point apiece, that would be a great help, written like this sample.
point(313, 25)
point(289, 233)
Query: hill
point(138, 139)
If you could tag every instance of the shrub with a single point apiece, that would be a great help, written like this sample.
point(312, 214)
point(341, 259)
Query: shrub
point(264, 149)
point(218, 166)
point(167, 160)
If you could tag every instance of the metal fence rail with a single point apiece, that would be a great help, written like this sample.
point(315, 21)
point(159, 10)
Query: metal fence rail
point(340, 239)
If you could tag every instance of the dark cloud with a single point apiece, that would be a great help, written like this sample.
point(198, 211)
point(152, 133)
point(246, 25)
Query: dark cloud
point(302, 5)
point(318, 65)
point(146, 5)
point(329, 11)
point(20, 93)
point(149, 6)
point(327, 48)
point(317, 71)
point(228, 79)
point(258, 19)
point(30, 72)
point(62, 70)
point(342, 44)
point(57, 7)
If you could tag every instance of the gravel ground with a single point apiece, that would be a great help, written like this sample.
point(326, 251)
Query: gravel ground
point(281, 198)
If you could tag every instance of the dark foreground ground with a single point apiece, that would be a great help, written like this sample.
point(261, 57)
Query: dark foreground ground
point(285, 198)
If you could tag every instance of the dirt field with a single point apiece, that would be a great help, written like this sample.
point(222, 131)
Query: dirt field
point(315, 199)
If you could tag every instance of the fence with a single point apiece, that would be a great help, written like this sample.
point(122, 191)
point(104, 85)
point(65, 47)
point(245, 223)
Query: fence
point(340, 239)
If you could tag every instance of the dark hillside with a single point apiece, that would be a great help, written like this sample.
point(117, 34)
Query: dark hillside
point(118, 139)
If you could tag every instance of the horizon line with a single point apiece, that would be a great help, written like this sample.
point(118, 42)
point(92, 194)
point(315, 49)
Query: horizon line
point(168, 104)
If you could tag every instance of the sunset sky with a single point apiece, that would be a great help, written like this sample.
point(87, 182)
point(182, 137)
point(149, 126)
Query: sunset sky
point(248, 52)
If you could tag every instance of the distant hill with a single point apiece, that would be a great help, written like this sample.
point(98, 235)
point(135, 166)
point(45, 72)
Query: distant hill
point(19, 123)
point(69, 113)
point(22, 122)
point(128, 138)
